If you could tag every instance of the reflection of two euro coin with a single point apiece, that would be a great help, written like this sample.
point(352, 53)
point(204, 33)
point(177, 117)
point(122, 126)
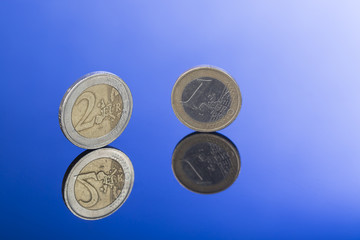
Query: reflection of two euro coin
point(97, 183)
point(206, 162)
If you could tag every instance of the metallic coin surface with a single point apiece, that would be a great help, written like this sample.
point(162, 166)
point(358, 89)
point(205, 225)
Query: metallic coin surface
point(95, 110)
point(206, 99)
point(97, 183)
point(206, 162)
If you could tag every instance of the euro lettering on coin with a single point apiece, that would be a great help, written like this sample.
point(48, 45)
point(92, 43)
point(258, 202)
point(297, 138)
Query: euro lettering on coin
point(206, 162)
point(95, 110)
point(97, 183)
point(206, 99)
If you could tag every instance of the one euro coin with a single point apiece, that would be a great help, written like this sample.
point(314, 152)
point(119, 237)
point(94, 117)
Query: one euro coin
point(206, 99)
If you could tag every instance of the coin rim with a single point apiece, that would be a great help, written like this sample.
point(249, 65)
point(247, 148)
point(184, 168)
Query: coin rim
point(69, 185)
point(180, 113)
point(191, 137)
point(72, 94)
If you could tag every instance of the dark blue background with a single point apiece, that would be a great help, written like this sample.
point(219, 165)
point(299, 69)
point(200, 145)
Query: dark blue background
point(297, 65)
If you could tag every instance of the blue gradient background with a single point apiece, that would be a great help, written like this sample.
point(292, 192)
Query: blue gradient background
point(297, 65)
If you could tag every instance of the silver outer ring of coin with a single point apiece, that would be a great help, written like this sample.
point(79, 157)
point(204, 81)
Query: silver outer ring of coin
point(69, 186)
point(72, 94)
point(185, 145)
point(186, 78)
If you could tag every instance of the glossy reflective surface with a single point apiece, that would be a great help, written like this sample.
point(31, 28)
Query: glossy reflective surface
point(296, 63)
point(206, 162)
point(97, 183)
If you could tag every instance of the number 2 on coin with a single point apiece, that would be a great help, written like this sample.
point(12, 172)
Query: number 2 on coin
point(90, 98)
point(94, 196)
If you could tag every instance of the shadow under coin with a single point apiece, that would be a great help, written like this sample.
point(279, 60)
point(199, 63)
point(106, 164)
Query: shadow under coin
point(97, 183)
point(206, 162)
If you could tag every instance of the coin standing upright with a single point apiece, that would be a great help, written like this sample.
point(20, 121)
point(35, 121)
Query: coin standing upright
point(95, 110)
point(206, 99)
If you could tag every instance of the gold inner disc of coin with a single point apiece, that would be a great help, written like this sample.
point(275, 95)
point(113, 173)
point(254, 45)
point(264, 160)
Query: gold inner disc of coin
point(99, 183)
point(97, 111)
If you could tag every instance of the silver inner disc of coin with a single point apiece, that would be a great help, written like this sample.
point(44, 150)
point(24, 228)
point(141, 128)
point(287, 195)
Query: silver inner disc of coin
point(71, 97)
point(98, 184)
point(206, 99)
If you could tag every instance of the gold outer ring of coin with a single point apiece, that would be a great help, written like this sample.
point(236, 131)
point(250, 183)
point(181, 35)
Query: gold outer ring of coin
point(206, 71)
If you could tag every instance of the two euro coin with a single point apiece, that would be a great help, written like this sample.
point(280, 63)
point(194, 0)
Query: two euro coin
point(95, 110)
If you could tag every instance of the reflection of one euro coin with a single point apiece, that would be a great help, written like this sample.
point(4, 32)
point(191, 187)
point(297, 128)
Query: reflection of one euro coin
point(95, 110)
point(206, 162)
point(206, 99)
point(97, 183)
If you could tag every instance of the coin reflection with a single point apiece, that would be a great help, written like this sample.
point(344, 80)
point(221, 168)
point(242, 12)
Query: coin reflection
point(206, 162)
point(97, 183)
